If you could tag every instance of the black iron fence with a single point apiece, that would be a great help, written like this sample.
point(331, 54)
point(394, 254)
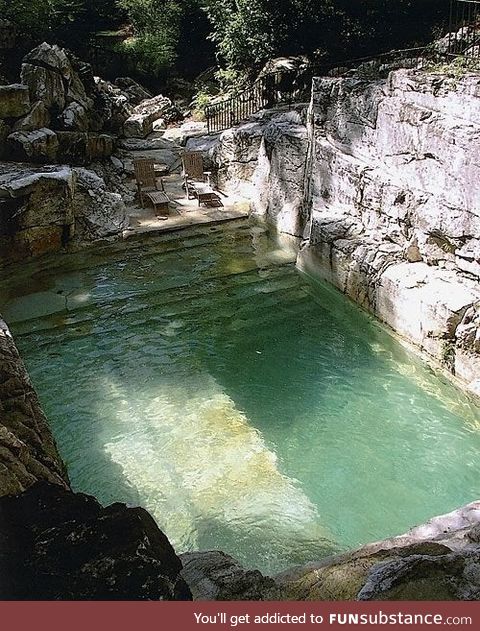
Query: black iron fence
point(268, 91)
point(464, 28)
point(285, 87)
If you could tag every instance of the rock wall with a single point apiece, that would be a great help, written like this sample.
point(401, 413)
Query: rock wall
point(44, 208)
point(27, 449)
point(439, 560)
point(59, 545)
point(378, 180)
point(265, 161)
point(395, 220)
point(60, 113)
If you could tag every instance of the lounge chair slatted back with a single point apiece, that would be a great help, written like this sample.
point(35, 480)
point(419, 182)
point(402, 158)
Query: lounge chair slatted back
point(193, 165)
point(145, 172)
point(147, 185)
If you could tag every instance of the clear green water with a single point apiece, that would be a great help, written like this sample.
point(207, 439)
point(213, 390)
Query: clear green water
point(248, 408)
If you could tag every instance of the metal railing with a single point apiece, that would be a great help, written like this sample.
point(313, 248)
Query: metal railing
point(269, 90)
point(283, 87)
point(464, 28)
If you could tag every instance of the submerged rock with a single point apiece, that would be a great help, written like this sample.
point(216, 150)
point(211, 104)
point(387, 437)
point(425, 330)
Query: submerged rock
point(59, 545)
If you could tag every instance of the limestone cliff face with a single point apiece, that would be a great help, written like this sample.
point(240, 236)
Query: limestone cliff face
point(265, 160)
point(379, 180)
point(395, 212)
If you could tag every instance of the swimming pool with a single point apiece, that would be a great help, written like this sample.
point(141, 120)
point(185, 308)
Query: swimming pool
point(248, 408)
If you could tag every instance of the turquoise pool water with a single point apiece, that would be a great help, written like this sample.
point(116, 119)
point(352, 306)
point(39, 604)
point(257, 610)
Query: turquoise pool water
point(249, 408)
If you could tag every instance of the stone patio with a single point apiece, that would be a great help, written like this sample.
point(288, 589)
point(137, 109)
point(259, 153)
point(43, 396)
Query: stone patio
point(183, 212)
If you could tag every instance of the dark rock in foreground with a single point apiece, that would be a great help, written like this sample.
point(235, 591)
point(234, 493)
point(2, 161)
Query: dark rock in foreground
point(59, 545)
point(28, 452)
point(217, 576)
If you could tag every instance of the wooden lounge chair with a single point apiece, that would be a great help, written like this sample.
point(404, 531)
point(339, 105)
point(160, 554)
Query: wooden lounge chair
point(147, 186)
point(206, 195)
point(193, 172)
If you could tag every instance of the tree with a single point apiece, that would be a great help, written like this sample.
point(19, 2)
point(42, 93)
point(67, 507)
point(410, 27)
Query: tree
point(248, 32)
point(64, 21)
point(156, 25)
point(40, 15)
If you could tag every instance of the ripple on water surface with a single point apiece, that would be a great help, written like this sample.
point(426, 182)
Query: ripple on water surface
point(248, 408)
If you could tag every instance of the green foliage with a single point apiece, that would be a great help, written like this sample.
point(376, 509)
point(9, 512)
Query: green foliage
point(455, 68)
point(41, 15)
point(184, 34)
point(153, 53)
point(157, 25)
point(242, 31)
point(248, 32)
point(201, 100)
point(67, 21)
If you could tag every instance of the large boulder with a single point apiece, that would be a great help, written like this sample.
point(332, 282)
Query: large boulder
point(51, 57)
point(39, 145)
point(37, 118)
point(74, 118)
point(217, 576)
point(140, 123)
point(112, 106)
point(44, 85)
point(58, 545)
point(134, 90)
point(36, 209)
point(14, 100)
point(81, 148)
point(43, 208)
point(98, 212)
point(62, 83)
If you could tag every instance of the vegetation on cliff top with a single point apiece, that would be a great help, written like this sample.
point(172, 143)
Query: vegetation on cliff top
point(188, 36)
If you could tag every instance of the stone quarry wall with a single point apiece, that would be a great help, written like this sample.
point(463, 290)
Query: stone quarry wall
point(379, 181)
